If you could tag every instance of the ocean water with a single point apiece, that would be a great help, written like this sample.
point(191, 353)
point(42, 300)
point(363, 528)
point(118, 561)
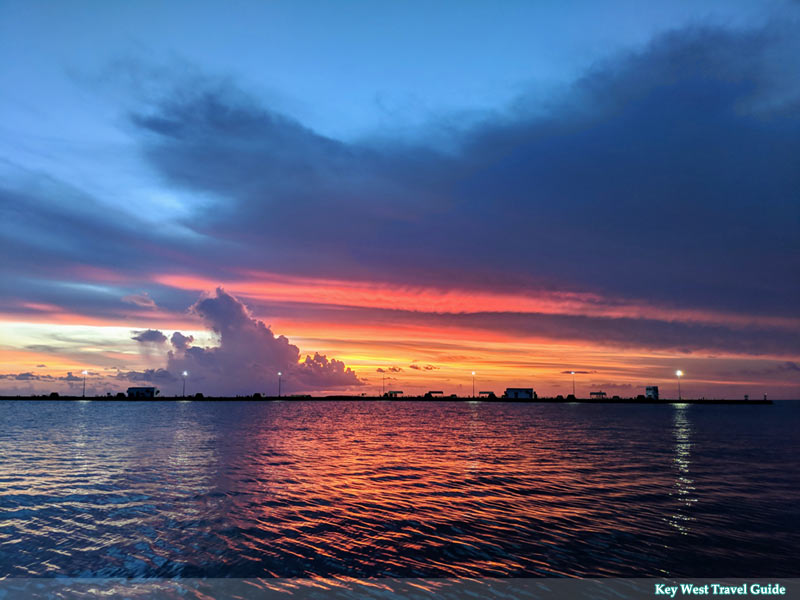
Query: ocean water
point(398, 489)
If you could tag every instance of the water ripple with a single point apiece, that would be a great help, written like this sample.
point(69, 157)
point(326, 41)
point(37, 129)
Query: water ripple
point(357, 489)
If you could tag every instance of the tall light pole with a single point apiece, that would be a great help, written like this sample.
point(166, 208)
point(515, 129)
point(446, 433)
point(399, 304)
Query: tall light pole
point(185, 375)
point(473, 384)
point(573, 383)
point(383, 384)
point(85, 373)
point(679, 374)
point(280, 374)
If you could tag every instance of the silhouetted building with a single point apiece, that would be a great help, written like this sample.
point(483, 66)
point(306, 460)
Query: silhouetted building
point(651, 392)
point(520, 393)
point(488, 394)
point(433, 393)
point(393, 393)
point(597, 395)
point(142, 392)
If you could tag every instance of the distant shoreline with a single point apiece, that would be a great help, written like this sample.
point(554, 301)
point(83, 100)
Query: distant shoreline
point(383, 399)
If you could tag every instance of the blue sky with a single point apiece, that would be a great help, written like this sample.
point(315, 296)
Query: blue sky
point(344, 68)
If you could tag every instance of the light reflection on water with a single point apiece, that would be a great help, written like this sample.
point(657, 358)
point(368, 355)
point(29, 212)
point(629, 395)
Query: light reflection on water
point(684, 487)
point(405, 489)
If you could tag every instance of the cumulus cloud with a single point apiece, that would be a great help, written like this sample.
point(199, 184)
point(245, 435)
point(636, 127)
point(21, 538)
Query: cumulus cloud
point(247, 360)
point(181, 342)
point(250, 356)
point(319, 370)
point(150, 336)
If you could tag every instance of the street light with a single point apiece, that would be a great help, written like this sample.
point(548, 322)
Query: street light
point(679, 374)
point(185, 375)
point(280, 374)
point(573, 383)
point(473, 384)
point(85, 373)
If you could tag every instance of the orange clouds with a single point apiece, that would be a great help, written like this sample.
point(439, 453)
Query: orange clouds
point(285, 288)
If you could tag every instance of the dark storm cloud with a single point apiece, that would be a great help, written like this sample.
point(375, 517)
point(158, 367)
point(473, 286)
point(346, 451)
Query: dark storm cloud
point(150, 336)
point(669, 174)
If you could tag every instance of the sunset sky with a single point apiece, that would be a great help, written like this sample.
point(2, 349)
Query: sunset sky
point(361, 194)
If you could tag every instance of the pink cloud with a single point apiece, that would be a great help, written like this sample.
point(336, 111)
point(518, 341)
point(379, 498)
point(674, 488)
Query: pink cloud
point(143, 300)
